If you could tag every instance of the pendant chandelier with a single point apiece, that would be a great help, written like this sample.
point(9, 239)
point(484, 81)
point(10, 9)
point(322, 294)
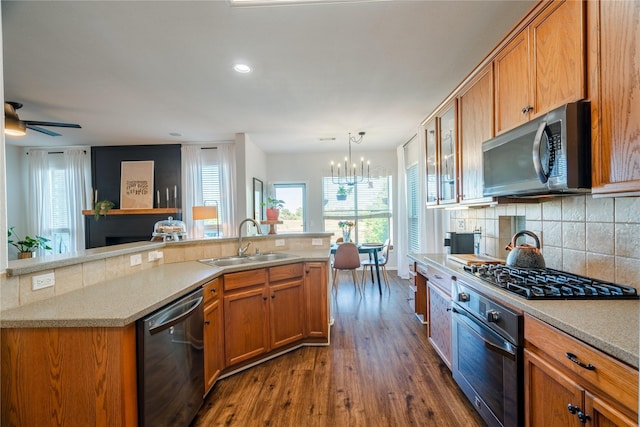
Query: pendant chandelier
point(350, 176)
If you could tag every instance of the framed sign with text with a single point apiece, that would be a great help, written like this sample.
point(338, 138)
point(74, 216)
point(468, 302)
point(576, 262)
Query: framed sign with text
point(136, 185)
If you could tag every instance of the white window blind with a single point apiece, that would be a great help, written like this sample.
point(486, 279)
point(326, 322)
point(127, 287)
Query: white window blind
point(211, 189)
point(412, 209)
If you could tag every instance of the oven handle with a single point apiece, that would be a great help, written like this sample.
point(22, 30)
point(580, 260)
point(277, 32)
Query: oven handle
point(504, 348)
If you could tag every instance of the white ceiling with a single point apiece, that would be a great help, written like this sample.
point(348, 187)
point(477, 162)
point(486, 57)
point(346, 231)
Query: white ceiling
point(133, 72)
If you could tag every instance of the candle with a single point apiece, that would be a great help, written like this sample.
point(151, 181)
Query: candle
point(158, 198)
point(95, 196)
point(167, 197)
point(175, 191)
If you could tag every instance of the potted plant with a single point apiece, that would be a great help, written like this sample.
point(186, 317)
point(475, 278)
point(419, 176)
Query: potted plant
point(343, 192)
point(273, 208)
point(27, 246)
point(102, 207)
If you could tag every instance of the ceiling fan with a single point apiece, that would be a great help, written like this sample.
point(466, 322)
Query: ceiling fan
point(15, 127)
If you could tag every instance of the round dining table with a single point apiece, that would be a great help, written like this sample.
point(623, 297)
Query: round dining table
point(367, 248)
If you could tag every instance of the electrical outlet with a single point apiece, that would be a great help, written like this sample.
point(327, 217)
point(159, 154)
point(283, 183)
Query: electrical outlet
point(279, 242)
point(316, 242)
point(136, 259)
point(43, 281)
point(159, 254)
point(461, 225)
point(151, 256)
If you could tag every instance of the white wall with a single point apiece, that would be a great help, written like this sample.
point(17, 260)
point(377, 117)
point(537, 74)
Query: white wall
point(311, 167)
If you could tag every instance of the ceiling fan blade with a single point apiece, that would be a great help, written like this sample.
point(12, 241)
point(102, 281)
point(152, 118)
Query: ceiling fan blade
point(42, 130)
point(54, 124)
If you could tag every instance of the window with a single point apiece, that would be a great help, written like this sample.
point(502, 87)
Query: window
point(293, 214)
point(413, 204)
point(211, 189)
point(367, 204)
point(59, 222)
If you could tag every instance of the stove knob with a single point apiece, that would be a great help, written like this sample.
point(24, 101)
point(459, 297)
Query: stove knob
point(463, 297)
point(493, 316)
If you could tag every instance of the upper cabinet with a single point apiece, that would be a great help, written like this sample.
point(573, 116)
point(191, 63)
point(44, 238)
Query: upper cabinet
point(542, 67)
point(475, 109)
point(432, 163)
point(447, 137)
point(441, 138)
point(613, 63)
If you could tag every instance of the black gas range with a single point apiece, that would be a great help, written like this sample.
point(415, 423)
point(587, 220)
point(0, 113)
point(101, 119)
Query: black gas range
point(546, 283)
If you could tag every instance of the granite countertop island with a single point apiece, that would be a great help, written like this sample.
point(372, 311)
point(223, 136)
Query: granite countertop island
point(608, 325)
point(121, 301)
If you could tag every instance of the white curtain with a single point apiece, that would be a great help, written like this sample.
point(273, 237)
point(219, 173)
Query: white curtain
point(228, 184)
point(78, 184)
point(402, 242)
point(39, 206)
point(192, 188)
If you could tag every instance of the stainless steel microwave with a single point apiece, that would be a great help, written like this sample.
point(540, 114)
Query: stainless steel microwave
point(548, 155)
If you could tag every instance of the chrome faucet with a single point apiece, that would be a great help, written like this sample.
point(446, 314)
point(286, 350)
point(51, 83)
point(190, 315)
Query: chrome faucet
point(241, 250)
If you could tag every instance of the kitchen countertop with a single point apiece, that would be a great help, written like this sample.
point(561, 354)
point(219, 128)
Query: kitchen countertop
point(122, 301)
point(609, 325)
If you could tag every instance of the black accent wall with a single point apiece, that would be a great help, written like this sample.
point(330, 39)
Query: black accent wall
point(105, 178)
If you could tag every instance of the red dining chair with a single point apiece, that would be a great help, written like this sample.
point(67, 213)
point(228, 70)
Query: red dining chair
point(383, 257)
point(346, 258)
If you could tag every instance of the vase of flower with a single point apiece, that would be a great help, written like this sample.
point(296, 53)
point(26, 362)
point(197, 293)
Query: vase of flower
point(346, 227)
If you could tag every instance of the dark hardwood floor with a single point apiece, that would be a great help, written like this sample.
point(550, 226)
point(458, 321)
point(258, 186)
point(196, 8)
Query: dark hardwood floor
point(379, 370)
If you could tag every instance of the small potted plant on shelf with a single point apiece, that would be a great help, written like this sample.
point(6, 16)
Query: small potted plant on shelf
point(27, 246)
point(343, 192)
point(273, 208)
point(102, 207)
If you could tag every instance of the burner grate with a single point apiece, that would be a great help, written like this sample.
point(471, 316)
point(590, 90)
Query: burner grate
point(550, 284)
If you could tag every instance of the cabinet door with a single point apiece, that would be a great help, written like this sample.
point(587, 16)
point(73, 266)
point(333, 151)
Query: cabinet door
point(315, 288)
point(615, 96)
point(432, 163)
point(286, 312)
point(448, 147)
point(213, 343)
point(511, 68)
point(476, 126)
point(246, 330)
point(548, 394)
point(557, 56)
point(440, 322)
point(601, 414)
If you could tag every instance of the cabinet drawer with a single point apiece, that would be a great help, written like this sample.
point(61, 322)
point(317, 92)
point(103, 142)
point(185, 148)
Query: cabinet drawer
point(288, 271)
point(438, 277)
point(609, 376)
point(243, 279)
point(211, 291)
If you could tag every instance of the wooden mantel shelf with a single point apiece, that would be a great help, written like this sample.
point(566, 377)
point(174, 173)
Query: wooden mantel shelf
point(157, 211)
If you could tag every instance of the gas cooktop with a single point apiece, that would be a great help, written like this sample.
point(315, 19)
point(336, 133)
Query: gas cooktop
point(546, 283)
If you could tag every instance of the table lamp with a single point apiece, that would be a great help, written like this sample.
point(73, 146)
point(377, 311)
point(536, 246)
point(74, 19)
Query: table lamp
point(205, 213)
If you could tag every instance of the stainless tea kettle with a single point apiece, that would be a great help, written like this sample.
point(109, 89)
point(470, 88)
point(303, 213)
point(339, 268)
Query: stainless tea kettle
point(524, 256)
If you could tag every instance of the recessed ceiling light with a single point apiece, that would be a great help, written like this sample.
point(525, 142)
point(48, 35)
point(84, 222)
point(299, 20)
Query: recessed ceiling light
point(242, 68)
point(175, 134)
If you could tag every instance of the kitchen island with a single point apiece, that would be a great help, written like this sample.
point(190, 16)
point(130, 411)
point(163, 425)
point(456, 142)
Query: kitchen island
point(71, 358)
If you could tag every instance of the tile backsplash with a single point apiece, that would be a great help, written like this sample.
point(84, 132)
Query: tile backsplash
point(595, 237)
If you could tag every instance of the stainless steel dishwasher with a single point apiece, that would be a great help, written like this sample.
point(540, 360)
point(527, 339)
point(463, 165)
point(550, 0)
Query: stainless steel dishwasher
point(170, 363)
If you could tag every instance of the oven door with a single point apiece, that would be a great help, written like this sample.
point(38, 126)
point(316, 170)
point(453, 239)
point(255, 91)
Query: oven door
point(488, 370)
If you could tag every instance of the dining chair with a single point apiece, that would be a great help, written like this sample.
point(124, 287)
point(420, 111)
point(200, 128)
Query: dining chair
point(346, 258)
point(383, 257)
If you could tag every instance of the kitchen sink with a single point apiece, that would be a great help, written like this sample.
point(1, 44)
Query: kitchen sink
point(239, 260)
point(270, 257)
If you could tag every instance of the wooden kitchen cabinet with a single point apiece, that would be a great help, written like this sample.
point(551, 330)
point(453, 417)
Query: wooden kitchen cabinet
point(315, 290)
point(542, 67)
point(264, 309)
point(447, 140)
point(475, 109)
point(439, 316)
point(606, 395)
point(213, 333)
point(286, 304)
point(420, 296)
point(431, 163)
point(613, 64)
